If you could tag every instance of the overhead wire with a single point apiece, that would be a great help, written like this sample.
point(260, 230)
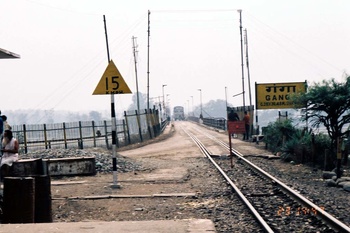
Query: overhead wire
point(91, 66)
point(291, 41)
point(96, 60)
point(118, 47)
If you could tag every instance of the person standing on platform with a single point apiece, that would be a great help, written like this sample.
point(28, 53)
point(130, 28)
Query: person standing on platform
point(6, 125)
point(233, 116)
point(246, 120)
point(9, 150)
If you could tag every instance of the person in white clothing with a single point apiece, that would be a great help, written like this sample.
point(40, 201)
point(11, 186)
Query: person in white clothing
point(9, 151)
point(6, 124)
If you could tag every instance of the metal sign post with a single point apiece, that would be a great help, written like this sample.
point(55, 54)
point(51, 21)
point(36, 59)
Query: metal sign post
point(234, 127)
point(112, 83)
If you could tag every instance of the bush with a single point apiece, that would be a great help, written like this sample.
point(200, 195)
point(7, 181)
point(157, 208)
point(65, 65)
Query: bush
point(323, 142)
point(275, 134)
point(298, 148)
point(296, 144)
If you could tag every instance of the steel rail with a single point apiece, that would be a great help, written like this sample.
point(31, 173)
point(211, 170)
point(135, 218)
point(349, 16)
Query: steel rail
point(326, 217)
point(207, 154)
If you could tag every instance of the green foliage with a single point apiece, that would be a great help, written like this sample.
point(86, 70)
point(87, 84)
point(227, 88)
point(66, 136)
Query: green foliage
point(278, 132)
point(327, 104)
point(322, 142)
point(297, 145)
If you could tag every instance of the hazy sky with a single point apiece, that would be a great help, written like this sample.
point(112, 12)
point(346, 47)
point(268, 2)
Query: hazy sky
point(194, 44)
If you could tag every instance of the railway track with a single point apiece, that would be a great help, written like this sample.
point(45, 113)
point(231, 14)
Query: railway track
point(276, 206)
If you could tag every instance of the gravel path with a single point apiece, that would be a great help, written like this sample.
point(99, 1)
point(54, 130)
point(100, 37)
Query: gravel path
point(174, 150)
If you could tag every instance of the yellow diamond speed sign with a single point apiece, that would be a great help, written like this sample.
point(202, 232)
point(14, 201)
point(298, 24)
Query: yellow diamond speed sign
point(111, 82)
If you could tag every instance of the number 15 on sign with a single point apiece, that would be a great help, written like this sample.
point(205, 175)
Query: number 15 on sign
point(111, 82)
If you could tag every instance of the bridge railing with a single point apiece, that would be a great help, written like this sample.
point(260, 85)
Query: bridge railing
point(215, 122)
point(218, 123)
point(134, 128)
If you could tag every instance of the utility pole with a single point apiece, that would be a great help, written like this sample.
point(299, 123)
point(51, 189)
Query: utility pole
point(114, 127)
point(242, 62)
point(226, 97)
point(188, 108)
point(164, 85)
point(149, 31)
point(226, 109)
point(167, 106)
point(192, 105)
point(201, 102)
point(250, 93)
point(134, 46)
point(247, 61)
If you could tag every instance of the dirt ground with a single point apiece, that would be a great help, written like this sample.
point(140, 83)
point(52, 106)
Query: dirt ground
point(171, 165)
point(161, 160)
point(165, 169)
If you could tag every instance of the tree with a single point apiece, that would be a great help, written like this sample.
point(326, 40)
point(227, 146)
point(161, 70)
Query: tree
point(214, 108)
point(328, 104)
point(95, 115)
point(142, 102)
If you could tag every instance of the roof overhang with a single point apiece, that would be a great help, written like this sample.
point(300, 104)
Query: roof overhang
point(4, 54)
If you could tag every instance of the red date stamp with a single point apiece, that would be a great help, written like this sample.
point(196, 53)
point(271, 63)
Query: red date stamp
point(287, 210)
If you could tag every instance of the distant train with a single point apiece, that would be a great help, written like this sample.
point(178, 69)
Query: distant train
point(179, 114)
